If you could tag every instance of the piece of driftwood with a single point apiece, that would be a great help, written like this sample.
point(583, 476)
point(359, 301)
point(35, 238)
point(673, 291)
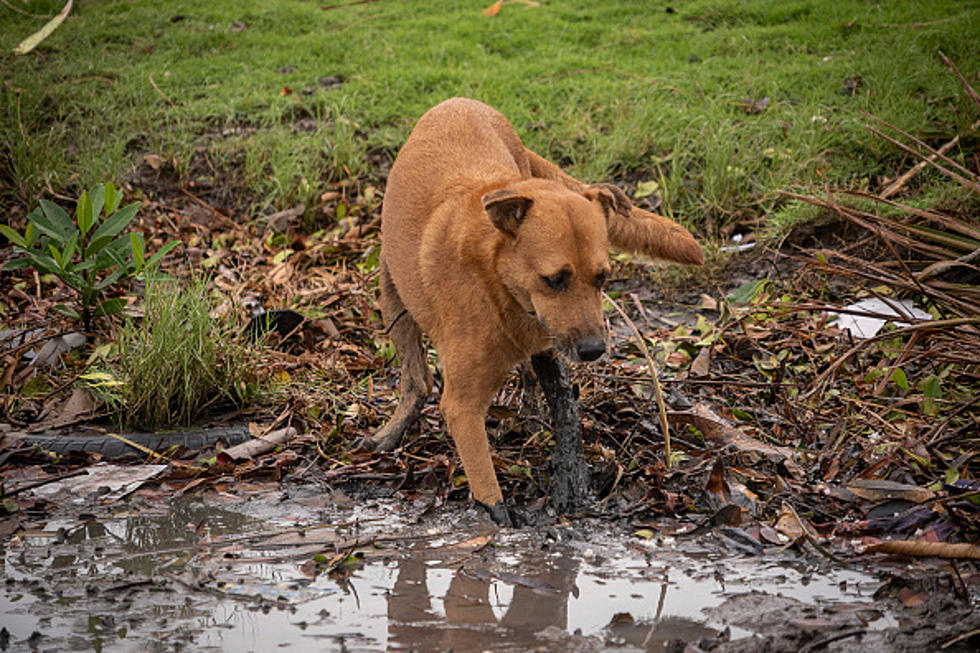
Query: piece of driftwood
point(570, 487)
point(963, 551)
point(260, 445)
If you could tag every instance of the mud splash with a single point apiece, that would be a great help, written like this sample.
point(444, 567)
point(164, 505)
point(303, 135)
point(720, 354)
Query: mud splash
point(140, 576)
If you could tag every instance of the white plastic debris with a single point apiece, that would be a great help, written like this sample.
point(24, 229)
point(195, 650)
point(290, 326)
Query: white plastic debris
point(112, 481)
point(739, 246)
point(863, 326)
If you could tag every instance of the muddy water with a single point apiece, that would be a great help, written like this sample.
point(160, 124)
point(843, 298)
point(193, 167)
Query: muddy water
point(140, 576)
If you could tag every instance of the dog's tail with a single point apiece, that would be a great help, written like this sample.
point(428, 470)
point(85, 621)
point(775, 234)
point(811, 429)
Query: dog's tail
point(641, 232)
point(654, 236)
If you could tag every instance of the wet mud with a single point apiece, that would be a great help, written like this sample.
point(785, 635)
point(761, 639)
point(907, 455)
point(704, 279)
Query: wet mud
point(294, 569)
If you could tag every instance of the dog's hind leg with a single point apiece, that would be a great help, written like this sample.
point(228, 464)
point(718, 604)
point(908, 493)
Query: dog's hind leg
point(570, 488)
point(416, 382)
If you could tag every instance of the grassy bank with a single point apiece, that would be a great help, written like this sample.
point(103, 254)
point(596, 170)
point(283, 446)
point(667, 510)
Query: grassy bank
point(719, 102)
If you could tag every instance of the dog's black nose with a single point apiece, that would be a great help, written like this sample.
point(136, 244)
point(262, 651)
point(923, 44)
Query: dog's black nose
point(589, 350)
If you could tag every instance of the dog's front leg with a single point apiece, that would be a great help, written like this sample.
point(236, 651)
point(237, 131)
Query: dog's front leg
point(570, 488)
point(465, 399)
point(468, 430)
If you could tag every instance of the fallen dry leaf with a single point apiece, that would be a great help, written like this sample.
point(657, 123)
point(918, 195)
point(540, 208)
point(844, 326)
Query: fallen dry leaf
point(717, 486)
point(874, 489)
point(473, 544)
point(791, 524)
point(702, 362)
point(718, 430)
point(79, 403)
point(911, 598)
point(708, 302)
point(8, 366)
point(34, 39)
point(494, 9)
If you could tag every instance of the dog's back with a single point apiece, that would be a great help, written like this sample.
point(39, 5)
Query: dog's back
point(454, 146)
point(459, 137)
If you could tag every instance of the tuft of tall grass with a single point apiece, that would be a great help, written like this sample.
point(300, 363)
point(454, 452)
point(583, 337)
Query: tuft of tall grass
point(177, 361)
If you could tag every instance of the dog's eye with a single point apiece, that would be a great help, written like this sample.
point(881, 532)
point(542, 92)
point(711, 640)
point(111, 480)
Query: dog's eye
point(601, 279)
point(558, 281)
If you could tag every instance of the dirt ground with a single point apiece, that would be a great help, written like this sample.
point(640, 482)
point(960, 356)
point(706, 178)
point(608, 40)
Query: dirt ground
point(741, 546)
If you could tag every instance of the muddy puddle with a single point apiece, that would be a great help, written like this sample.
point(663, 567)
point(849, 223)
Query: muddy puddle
point(220, 573)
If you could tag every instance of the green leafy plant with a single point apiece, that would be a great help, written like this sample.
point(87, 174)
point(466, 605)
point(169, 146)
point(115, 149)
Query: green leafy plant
point(88, 255)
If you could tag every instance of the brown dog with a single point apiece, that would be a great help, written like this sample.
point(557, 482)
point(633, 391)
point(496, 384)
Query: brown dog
point(497, 255)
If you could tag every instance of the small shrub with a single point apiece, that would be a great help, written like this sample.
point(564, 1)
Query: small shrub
point(89, 255)
point(177, 362)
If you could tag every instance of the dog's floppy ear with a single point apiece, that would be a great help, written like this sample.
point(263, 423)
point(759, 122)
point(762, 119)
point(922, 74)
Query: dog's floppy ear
point(611, 197)
point(506, 209)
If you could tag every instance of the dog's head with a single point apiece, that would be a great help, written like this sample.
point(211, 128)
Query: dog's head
point(553, 257)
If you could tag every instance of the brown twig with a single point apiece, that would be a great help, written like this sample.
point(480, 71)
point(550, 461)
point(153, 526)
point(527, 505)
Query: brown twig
point(24, 13)
point(721, 382)
point(917, 24)
point(823, 641)
point(934, 434)
point(900, 183)
point(943, 266)
point(861, 218)
point(921, 144)
point(960, 638)
point(933, 216)
point(162, 94)
point(37, 484)
point(658, 393)
point(966, 85)
point(958, 177)
point(348, 4)
point(933, 324)
point(224, 218)
point(934, 290)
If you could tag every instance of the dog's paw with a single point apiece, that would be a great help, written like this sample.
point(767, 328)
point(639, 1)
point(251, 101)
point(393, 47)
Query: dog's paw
point(387, 439)
point(364, 442)
point(502, 515)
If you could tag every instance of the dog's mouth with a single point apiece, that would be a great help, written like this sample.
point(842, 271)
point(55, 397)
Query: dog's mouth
point(584, 351)
point(574, 346)
point(568, 351)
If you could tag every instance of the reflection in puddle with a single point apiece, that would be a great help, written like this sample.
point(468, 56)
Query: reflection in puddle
point(137, 581)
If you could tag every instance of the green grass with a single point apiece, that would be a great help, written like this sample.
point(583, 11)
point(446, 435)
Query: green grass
point(177, 361)
point(611, 89)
